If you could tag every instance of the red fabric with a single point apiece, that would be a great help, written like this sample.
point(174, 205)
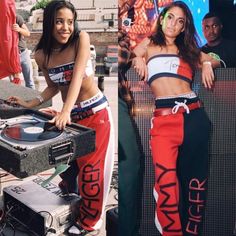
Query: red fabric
point(93, 171)
point(184, 69)
point(9, 54)
point(169, 111)
point(166, 135)
point(16, 81)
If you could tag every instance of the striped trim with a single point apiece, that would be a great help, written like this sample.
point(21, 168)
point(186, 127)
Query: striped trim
point(166, 74)
point(157, 222)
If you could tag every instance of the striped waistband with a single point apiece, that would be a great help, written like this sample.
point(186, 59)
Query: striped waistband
point(171, 102)
point(89, 107)
point(184, 95)
point(180, 107)
point(89, 102)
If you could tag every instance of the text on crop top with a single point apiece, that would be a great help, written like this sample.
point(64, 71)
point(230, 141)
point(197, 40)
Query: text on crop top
point(168, 65)
point(62, 74)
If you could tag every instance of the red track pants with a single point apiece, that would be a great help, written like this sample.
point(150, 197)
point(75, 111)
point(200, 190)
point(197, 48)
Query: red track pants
point(179, 145)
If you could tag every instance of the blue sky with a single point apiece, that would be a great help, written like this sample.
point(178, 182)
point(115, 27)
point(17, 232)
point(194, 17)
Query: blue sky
point(199, 8)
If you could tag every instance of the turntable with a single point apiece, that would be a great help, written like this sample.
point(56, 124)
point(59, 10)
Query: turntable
point(30, 144)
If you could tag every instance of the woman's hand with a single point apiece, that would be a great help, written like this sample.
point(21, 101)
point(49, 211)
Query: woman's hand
point(140, 66)
point(16, 28)
point(207, 75)
point(61, 120)
point(17, 100)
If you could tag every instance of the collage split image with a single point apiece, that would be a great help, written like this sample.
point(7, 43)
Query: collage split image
point(117, 118)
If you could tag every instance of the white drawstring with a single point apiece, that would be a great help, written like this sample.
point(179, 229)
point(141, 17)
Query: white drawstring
point(178, 105)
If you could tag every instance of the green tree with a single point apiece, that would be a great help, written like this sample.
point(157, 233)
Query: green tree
point(41, 4)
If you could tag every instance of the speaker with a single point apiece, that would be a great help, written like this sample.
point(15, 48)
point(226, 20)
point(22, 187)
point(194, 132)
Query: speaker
point(112, 222)
point(220, 105)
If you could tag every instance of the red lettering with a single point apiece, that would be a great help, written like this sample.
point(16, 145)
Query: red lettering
point(91, 168)
point(195, 184)
point(195, 200)
point(191, 230)
point(90, 190)
point(94, 177)
point(197, 209)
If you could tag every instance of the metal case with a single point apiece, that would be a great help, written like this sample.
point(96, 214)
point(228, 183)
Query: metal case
point(40, 209)
point(75, 142)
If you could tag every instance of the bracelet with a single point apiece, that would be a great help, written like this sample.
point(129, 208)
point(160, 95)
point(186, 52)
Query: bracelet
point(40, 98)
point(206, 63)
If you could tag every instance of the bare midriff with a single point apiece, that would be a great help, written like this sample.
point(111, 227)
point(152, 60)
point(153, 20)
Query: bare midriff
point(88, 89)
point(169, 86)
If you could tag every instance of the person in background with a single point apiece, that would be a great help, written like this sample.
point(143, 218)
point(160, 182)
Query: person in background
point(220, 48)
point(180, 128)
point(63, 55)
point(129, 154)
point(26, 65)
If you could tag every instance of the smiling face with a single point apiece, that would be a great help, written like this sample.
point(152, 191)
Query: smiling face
point(173, 22)
point(63, 26)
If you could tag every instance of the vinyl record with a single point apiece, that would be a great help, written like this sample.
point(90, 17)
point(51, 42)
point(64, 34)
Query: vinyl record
point(31, 131)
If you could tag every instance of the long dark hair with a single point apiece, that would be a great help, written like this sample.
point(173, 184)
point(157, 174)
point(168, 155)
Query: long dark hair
point(187, 41)
point(46, 41)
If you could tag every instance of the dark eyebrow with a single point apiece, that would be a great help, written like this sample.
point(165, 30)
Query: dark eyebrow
point(169, 13)
point(210, 24)
point(180, 18)
point(60, 18)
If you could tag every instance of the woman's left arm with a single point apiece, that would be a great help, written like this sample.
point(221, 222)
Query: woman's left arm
point(207, 63)
point(206, 58)
point(83, 54)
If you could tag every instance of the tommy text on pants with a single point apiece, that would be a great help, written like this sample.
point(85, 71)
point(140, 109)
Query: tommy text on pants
point(179, 141)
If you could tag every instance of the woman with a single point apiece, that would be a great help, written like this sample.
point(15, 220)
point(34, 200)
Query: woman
point(63, 55)
point(180, 127)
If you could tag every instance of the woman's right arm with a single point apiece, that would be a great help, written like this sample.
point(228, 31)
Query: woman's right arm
point(50, 91)
point(139, 62)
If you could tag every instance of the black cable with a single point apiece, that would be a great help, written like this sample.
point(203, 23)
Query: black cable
point(3, 227)
point(12, 226)
point(4, 220)
point(8, 220)
point(50, 225)
point(20, 227)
